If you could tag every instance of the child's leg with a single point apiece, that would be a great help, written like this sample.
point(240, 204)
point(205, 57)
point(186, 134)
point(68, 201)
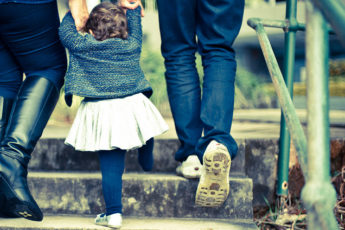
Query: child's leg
point(146, 155)
point(112, 167)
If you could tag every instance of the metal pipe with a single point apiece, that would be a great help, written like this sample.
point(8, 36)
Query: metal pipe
point(288, 73)
point(285, 25)
point(288, 108)
point(318, 194)
point(252, 22)
point(334, 11)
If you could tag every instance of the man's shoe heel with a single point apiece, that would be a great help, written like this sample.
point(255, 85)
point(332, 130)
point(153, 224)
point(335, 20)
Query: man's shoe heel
point(213, 188)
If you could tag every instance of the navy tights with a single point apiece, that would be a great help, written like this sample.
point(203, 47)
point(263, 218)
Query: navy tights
point(112, 167)
point(145, 155)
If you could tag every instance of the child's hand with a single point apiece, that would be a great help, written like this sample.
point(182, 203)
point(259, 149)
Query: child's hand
point(132, 4)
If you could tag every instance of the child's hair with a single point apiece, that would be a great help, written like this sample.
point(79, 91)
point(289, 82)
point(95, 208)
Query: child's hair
point(107, 20)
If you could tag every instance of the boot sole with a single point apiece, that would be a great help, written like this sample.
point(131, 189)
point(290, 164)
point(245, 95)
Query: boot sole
point(15, 207)
point(213, 188)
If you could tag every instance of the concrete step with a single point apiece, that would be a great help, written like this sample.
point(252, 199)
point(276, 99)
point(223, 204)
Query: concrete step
point(257, 159)
point(129, 223)
point(51, 154)
point(144, 195)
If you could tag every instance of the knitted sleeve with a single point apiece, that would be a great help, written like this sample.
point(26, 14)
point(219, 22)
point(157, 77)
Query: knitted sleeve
point(134, 24)
point(69, 35)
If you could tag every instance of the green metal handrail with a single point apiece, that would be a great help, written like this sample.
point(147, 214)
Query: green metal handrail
point(318, 194)
point(290, 115)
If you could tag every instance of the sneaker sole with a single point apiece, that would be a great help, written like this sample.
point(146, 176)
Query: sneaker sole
point(16, 207)
point(213, 188)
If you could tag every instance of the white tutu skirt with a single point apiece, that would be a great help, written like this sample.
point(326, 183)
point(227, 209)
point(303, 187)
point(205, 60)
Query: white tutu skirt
point(125, 123)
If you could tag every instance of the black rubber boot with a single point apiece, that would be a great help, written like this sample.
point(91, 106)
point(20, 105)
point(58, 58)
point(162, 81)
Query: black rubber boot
point(5, 110)
point(35, 102)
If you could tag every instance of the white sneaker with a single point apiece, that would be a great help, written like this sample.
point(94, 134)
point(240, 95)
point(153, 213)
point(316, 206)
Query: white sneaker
point(190, 168)
point(213, 188)
point(111, 221)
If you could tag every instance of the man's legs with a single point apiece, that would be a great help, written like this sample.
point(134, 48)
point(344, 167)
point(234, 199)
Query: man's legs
point(218, 24)
point(216, 32)
point(177, 20)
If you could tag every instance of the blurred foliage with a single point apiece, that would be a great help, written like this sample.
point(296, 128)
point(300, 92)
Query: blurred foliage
point(249, 91)
point(336, 81)
point(152, 64)
point(336, 88)
point(337, 70)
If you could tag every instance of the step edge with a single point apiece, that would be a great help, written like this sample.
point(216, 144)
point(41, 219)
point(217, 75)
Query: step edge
point(126, 176)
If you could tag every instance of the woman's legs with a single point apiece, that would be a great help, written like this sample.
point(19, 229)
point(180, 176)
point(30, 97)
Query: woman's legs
point(29, 39)
point(29, 33)
point(11, 75)
point(112, 167)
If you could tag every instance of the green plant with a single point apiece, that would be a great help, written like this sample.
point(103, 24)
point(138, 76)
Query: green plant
point(152, 64)
point(250, 93)
point(291, 215)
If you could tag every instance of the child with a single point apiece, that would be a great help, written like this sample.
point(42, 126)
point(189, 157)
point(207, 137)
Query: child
point(115, 114)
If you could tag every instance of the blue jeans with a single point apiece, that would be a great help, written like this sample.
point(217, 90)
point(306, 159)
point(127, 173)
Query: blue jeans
point(210, 28)
point(29, 43)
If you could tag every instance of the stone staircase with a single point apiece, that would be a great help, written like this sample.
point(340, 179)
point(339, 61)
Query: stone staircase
point(67, 186)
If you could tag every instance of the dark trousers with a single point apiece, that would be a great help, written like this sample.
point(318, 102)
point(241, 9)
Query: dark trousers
point(210, 28)
point(29, 43)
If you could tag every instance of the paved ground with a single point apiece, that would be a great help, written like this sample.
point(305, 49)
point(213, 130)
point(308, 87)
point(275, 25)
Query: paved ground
point(256, 123)
point(86, 223)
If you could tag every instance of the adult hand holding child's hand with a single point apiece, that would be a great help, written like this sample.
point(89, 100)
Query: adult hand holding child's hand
point(132, 4)
point(79, 12)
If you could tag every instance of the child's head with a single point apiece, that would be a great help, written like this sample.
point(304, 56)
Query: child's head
point(107, 20)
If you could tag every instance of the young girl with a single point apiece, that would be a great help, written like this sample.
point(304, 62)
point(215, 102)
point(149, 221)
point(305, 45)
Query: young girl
point(116, 114)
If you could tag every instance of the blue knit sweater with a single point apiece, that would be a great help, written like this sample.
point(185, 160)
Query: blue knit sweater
point(104, 69)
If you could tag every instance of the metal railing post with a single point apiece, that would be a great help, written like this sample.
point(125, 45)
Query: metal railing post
point(318, 194)
point(334, 11)
point(288, 74)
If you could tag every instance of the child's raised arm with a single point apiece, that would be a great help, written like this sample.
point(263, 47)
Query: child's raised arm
point(69, 35)
point(134, 24)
